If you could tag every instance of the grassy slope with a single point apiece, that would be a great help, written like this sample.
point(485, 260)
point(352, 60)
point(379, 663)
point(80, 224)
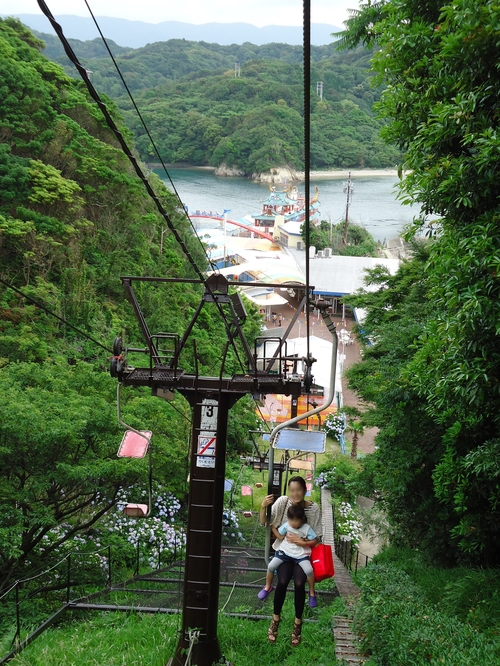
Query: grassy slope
point(115, 638)
point(430, 614)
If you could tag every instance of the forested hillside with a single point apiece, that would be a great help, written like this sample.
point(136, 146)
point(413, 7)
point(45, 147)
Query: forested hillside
point(73, 218)
point(199, 113)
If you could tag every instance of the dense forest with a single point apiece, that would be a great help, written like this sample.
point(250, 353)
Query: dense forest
point(199, 113)
point(430, 376)
point(73, 218)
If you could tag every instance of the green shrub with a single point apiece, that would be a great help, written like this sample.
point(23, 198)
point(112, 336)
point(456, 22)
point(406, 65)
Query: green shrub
point(339, 474)
point(474, 596)
point(399, 626)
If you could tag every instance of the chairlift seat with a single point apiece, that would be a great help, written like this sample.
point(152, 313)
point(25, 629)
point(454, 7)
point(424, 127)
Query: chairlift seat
point(134, 445)
point(292, 439)
point(135, 510)
point(300, 464)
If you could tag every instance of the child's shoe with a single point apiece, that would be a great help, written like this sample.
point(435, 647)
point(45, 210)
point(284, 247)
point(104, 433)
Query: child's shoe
point(263, 594)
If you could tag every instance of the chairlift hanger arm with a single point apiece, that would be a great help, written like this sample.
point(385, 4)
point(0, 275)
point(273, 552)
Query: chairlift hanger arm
point(332, 328)
point(119, 418)
point(287, 333)
point(140, 318)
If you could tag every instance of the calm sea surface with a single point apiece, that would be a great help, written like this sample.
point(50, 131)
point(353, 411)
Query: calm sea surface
point(374, 204)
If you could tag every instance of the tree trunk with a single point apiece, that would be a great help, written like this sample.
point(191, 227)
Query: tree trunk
point(354, 449)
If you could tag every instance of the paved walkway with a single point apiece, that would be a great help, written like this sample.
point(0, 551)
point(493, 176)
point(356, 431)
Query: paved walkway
point(352, 353)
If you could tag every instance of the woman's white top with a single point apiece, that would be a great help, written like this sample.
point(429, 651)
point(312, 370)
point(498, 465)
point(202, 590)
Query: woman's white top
point(278, 516)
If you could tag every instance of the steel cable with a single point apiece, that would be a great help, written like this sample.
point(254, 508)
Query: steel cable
point(307, 152)
point(146, 129)
point(119, 136)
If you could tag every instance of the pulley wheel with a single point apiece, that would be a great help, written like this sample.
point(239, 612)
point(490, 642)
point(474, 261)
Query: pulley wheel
point(117, 347)
point(115, 368)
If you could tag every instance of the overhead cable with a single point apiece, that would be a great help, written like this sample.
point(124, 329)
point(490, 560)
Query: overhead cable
point(112, 125)
point(53, 314)
point(146, 129)
point(307, 153)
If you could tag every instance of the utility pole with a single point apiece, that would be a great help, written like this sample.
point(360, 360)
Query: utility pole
point(348, 189)
point(210, 399)
point(226, 211)
point(319, 89)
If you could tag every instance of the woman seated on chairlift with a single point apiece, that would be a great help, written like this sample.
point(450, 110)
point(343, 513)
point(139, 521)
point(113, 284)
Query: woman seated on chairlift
point(296, 495)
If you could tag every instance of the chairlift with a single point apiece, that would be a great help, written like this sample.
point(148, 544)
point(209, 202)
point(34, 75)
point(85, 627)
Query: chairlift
point(287, 438)
point(135, 444)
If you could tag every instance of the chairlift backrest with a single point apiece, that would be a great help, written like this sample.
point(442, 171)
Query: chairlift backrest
point(292, 439)
point(135, 510)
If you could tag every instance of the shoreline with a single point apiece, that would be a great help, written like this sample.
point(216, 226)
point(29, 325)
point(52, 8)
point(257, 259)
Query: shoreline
point(330, 174)
point(355, 173)
point(157, 165)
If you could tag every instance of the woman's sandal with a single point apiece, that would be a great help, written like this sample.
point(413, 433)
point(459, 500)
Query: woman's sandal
point(272, 632)
point(296, 634)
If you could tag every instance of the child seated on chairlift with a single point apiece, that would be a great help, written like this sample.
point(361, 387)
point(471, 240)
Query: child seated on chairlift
point(292, 552)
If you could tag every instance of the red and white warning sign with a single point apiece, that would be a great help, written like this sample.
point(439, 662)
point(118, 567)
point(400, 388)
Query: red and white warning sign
point(206, 445)
point(207, 441)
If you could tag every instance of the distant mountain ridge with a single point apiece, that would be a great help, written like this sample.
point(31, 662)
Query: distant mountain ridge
point(136, 34)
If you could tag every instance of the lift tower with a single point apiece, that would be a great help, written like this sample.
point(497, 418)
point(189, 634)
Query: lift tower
point(210, 399)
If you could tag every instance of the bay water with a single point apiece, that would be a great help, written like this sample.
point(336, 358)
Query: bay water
point(374, 203)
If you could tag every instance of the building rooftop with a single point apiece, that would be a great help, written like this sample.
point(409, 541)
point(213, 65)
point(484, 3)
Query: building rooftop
point(279, 198)
point(338, 276)
point(292, 228)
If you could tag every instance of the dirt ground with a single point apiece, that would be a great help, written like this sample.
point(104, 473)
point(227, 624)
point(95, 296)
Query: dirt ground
point(352, 353)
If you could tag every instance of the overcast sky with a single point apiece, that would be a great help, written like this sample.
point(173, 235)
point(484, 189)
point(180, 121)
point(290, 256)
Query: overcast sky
point(257, 12)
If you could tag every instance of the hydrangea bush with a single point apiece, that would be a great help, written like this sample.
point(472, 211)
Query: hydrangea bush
point(334, 425)
point(326, 479)
point(348, 524)
point(340, 475)
point(158, 535)
point(231, 527)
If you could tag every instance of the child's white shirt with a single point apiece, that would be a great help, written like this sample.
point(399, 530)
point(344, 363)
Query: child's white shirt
point(293, 549)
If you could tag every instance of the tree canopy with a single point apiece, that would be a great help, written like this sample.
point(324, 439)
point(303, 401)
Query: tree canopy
point(73, 218)
point(437, 62)
point(199, 113)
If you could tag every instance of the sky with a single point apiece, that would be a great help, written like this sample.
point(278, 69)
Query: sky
point(256, 12)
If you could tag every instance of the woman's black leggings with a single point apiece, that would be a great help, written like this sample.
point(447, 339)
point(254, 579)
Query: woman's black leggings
point(285, 573)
